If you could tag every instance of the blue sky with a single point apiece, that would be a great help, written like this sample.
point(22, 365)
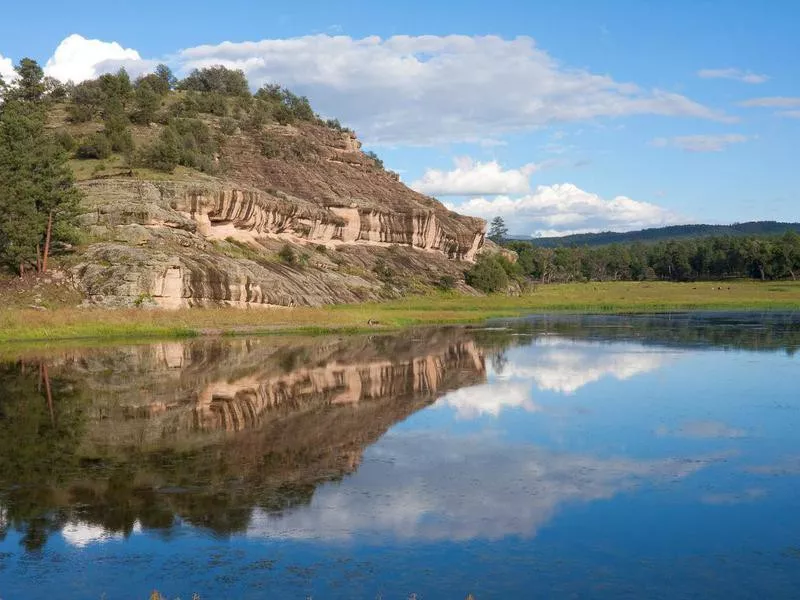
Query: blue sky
point(578, 115)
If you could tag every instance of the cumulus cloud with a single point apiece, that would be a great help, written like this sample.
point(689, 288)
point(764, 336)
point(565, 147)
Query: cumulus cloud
point(492, 399)
point(735, 74)
point(429, 89)
point(7, 72)
point(80, 534)
point(563, 366)
point(555, 365)
point(429, 493)
point(472, 178)
point(701, 143)
point(77, 59)
point(565, 207)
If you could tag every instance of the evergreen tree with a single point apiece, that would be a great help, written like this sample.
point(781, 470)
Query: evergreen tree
point(37, 197)
point(498, 231)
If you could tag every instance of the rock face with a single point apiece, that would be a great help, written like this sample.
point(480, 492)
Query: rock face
point(208, 241)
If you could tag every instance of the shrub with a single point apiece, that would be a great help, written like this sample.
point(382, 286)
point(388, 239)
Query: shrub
point(65, 140)
point(217, 79)
point(146, 101)
point(382, 270)
point(376, 159)
point(228, 126)
point(287, 255)
point(95, 146)
point(446, 282)
point(164, 153)
point(488, 274)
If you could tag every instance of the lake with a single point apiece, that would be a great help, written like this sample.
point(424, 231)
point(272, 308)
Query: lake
point(559, 456)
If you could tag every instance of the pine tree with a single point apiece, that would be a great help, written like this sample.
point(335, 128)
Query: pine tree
point(38, 199)
point(498, 232)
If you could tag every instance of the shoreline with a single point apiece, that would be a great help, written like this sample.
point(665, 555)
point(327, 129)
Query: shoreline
point(23, 325)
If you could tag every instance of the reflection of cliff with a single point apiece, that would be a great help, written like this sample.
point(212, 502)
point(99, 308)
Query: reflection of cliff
point(242, 423)
point(146, 396)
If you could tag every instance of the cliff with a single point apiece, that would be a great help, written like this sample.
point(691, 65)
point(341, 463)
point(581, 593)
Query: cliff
point(353, 231)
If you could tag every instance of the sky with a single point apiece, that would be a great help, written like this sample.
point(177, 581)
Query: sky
point(560, 117)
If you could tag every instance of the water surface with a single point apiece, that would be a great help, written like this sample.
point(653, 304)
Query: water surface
point(592, 457)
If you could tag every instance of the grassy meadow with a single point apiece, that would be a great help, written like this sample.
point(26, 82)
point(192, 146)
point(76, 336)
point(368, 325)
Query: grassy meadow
point(25, 324)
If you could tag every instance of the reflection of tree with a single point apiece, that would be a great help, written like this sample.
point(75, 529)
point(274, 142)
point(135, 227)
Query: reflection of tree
point(499, 361)
point(779, 331)
point(41, 426)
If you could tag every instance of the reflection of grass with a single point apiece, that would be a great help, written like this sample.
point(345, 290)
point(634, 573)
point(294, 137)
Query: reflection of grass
point(69, 323)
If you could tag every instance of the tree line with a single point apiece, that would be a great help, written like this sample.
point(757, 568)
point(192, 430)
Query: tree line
point(713, 257)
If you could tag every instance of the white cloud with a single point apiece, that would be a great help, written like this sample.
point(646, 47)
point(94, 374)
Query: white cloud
point(554, 365)
point(491, 399)
point(472, 178)
point(790, 114)
point(565, 367)
point(428, 492)
point(772, 102)
point(80, 534)
point(430, 89)
point(701, 143)
point(7, 72)
point(735, 74)
point(566, 207)
point(77, 59)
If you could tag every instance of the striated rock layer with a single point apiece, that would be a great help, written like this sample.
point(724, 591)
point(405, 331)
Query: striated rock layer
point(207, 241)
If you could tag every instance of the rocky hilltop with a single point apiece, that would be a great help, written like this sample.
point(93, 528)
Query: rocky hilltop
point(277, 210)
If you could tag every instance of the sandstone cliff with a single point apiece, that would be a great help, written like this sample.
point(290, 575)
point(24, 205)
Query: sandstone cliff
point(354, 231)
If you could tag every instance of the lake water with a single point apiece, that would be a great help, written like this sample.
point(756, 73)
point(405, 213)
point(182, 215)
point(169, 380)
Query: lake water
point(585, 457)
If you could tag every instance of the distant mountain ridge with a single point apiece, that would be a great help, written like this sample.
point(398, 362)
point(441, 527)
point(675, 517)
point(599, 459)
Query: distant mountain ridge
point(660, 234)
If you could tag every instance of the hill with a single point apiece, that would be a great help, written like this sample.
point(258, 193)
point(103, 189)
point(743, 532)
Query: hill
point(198, 192)
point(661, 234)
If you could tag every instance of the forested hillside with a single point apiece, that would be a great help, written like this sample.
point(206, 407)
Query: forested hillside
point(764, 257)
point(662, 234)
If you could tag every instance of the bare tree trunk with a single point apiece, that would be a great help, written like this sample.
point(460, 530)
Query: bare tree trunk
point(47, 241)
point(38, 258)
point(49, 393)
point(21, 269)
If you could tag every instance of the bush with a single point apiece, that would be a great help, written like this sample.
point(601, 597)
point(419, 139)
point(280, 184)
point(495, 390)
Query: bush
point(95, 146)
point(86, 100)
point(488, 274)
point(217, 79)
point(375, 158)
point(228, 126)
point(446, 282)
point(146, 101)
point(382, 270)
point(164, 153)
point(287, 255)
point(65, 140)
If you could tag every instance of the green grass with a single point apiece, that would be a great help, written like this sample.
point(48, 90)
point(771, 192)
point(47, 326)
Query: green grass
point(20, 324)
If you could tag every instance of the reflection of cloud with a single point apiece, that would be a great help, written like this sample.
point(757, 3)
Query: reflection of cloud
point(490, 399)
point(565, 367)
point(551, 364)
point(748, 495)
point(789, 466)
point(428, 487)
point(702, 430)
point(82, 534)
